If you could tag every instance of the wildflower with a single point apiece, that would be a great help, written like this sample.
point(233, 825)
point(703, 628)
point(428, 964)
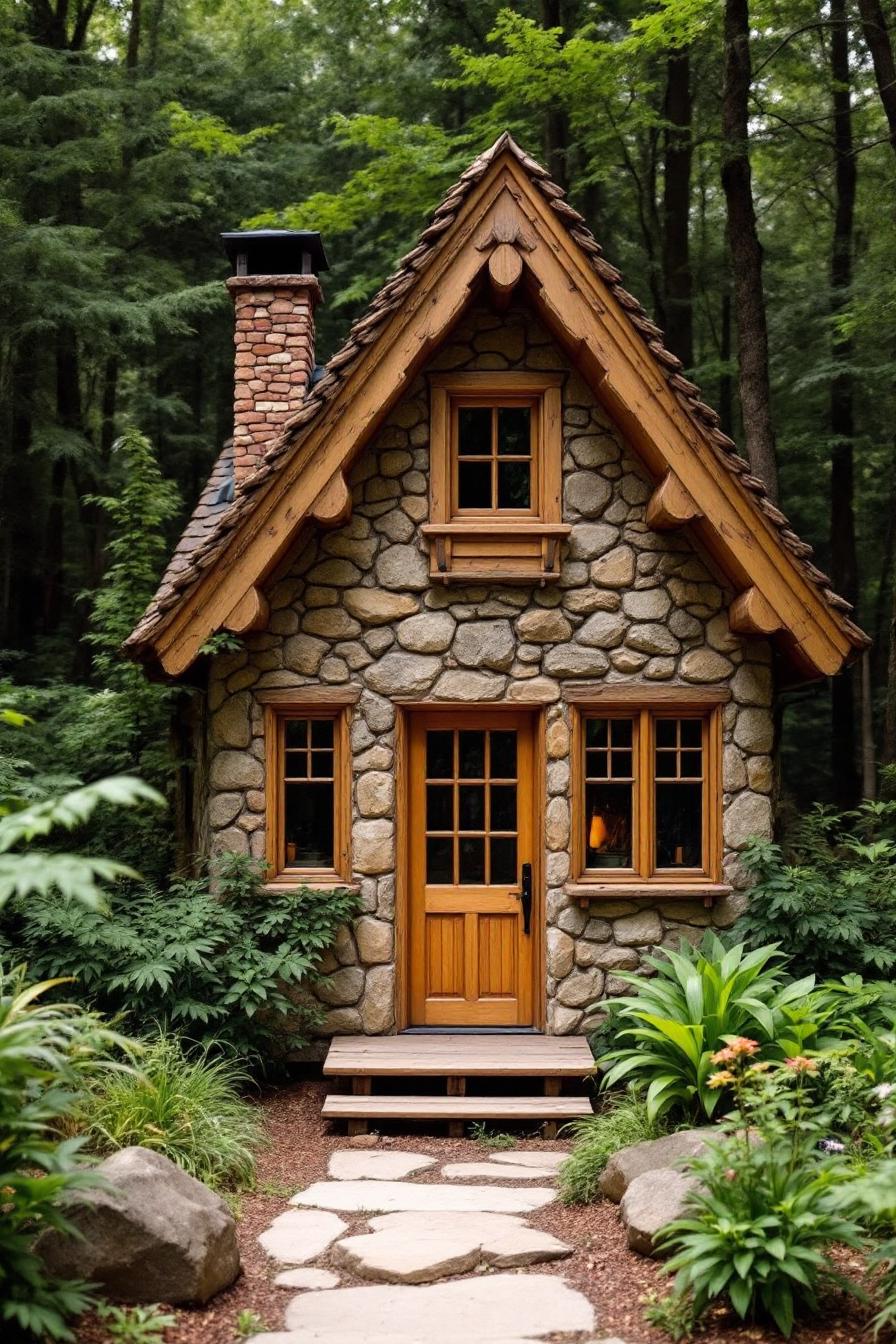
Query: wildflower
point(800, 1064)
point(720, 1079)
point(737, 1048)
point(831, 1146)
point(884, 1090)
point(761, 1066)
point(730, 1174)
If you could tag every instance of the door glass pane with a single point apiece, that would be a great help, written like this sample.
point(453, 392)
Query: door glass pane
point(513, 485)
point(471, 754)
point(474, 431)
point(439, 807)
point(503, 798)
point(503, 857)
point(503, 755)
point(439, 861)
point(514, 430)
point(439, 755)
point(471, 807)
point(679, 825)
point(472, 860)
point(474, 485)
point(608, 825)
point(308, 825)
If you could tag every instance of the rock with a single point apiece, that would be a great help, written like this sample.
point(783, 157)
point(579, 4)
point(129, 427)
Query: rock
point(485, 1171)
point(403, 673)
point(378, 1004)
point(670, 1151)
point(543, 625)
point(376, 793)
point(304, 654)
point(403, 567)
point(589, 540)
point(430, 632)
point(557, 740)
point(761, 773)
point(652, 639)
point(560, 952)
point(331, 623)
point(236, 770)
point(570, 660)
point(754, 731)
point(705, 665)
point(230, 725)
point(487, 1309)
point(608, 957)
point(422, 1247)
point(648, 604)
point(384, 1166)
point(485, 644)
point(651, 1202)
point(616, 569)
point(734, 775)
point(300, 1235)
point(556, 824)
point(150, 1234)
point(222, 809)
point(402, 1197)
point(336, 572)
point(603, 630)
point(580, 989)
point(638, 930)
point(343, 988)
point(374, 606)
point(540, 690)
point(541, 1157)
point(306, 1278)
point(752, 684)
point(460, 684)
point(749, 814)
point(587, 493)
point(375, 940)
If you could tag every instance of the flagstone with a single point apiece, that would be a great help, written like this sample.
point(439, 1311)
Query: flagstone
point(488, 1171)
point(403, 1197)
point(307, 1278)
point(376, 1166)
point(299, 1235)
point(516, 1158)
point(421, 1247)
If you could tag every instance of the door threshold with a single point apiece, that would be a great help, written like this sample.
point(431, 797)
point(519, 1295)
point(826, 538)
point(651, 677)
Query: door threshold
point(470, 1031)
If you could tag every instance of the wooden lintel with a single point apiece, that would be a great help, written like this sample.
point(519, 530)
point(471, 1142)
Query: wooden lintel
point(752, 614)
point(250, 613)
point(334, 503)
point(670, 505)
point(505, 266)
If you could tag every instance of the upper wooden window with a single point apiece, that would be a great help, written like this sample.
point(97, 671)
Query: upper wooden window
point(308, 793)
point(496, 477)
point(647, 803)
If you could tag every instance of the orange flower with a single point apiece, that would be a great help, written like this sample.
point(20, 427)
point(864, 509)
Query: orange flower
point(738, 1048)
point(720, 1079)
point(800, 1064)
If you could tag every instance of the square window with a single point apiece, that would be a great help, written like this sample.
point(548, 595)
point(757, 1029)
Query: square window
point(308, 792)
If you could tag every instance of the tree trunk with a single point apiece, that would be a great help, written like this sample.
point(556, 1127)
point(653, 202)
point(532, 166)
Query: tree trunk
point(556, 122)
point(880, 45)
point(676, 209)
point(745, 249)
point(844, 562)
point(726, 390)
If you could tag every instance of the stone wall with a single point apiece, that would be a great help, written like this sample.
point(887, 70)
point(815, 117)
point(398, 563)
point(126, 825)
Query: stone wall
point(631, 606)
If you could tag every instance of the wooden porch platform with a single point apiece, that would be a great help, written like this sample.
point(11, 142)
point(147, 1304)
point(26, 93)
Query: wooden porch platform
point(456, 1058)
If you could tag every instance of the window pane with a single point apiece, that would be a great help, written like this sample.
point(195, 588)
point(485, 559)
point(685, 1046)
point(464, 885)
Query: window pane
point(691, 732)
point(439, 864)
point(503, 852)
point(667, 764)
point(471, 754)
point(620, 732)
point(597, 732)
point(665, 732)
point(321, 732)
point(691, 764)
point(474, 431)
point(439, 807)
point(514, 433)
point(503, 748)
point(472, 860)
point(474, 485)
point(621, 764)
point(608, 825)
point(597, 764)
point(503, 807)
point(471, 807)
point(296, 732)
point(308, 825)
point(439, 755)
point(513, 485)
point(679, 825)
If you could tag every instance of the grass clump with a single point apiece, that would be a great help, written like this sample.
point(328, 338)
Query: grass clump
point(184, 1105)
point(624, 1121)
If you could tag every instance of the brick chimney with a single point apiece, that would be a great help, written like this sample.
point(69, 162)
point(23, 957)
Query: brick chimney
point(275, 290)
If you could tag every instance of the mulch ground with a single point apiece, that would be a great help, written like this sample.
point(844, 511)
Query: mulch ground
point(603, 1268)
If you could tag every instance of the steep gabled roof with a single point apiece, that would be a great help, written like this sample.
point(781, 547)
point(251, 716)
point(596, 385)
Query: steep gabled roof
point(504, 200)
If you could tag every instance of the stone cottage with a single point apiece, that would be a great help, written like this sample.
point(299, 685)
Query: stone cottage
point(512, 614)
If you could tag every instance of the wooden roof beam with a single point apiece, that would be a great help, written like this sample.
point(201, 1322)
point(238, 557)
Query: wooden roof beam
point(670, 505)
point(751, 614)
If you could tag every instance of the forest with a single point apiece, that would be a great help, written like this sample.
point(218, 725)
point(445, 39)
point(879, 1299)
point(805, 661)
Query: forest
point(738, 167)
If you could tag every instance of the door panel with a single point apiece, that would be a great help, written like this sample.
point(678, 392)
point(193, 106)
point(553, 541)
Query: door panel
point(470, 828)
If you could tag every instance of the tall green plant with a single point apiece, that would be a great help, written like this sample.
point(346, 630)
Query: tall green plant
point(697, 999)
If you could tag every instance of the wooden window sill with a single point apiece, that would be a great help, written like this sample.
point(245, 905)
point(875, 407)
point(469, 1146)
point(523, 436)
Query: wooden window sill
point(699, 889)
point(312, 884)
point(495, 550)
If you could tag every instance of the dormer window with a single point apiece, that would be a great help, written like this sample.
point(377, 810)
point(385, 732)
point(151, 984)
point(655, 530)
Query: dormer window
point(495, 471)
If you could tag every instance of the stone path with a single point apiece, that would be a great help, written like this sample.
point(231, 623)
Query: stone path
point(414, 1238)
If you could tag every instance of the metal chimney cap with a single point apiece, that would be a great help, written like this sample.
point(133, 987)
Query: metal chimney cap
point(275, 252)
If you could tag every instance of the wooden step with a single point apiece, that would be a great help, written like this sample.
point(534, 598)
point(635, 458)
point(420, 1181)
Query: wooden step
point(460, 1056)
point(455, 1108)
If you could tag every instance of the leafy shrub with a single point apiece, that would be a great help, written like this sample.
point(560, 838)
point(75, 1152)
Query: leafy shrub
point(135, 1325)
point(185, 1106)
point(623, 1121)
point(830, 903)
point(686, 1011)
point(761, 1220)
point(216, 957)
point(48, 1052)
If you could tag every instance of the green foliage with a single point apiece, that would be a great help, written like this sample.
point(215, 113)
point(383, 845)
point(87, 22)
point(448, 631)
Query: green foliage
point(209, 135)
point(249, 1323)
point(48, 1054)
point(135, 1325)
point(830, 903)
point(759, 1225)
point(623, 1121)
point(697, 999)
point(482, 1133)
point(185, 1105)
point(673, 1313)
point(216, 957)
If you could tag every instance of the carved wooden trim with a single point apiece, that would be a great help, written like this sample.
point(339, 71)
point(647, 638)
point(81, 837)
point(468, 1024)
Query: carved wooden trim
point(505, 266)
point(250, 613)
point(334, 503)
point(752, 614)
point(507, 226)
point(670, 505)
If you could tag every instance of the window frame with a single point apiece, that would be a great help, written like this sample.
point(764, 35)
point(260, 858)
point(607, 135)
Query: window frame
point(276, 715)
point(645, 711)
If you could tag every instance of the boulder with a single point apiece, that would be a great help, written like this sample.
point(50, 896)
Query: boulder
point(150, 1233)
point(672, 1150)
point(653, 1201)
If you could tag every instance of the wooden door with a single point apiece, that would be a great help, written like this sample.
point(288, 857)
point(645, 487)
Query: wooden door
point(471, 829)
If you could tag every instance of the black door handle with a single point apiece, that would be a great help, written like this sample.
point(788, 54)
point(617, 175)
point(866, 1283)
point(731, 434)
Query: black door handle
point(526, 896)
